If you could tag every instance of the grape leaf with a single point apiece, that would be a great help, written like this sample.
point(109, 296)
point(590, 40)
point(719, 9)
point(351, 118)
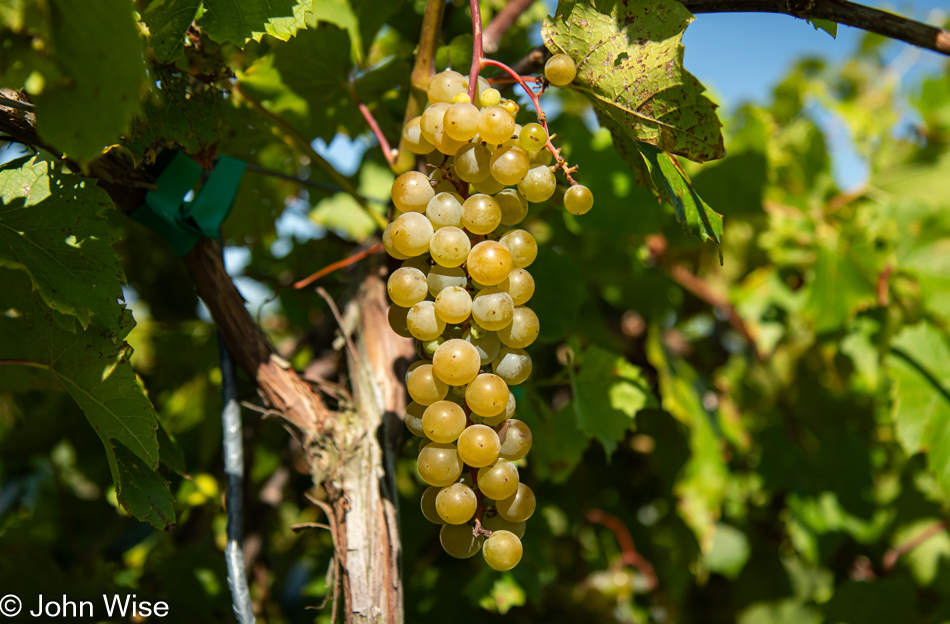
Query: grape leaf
point(240, 21)
point(826, 25)
point(168, 21)
point(837, 290)
point(558, 444)
point(52, 227)
point(630, 66)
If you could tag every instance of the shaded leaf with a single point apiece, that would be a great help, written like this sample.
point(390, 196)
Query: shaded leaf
point(826, 25)
point(240, 21)
point(168, 21)
point(837, 290)
point(729, 551)
point(558, 445)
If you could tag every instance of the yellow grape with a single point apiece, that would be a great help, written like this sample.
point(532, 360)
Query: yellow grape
point(424, 387)
point(456, 503)
point(411, 234)
point(538, 184)
point(442, 421)
point(412, 136)
point(459, 541)
point(481, 214)
point(519, 506)
point(440, 278)
point(439, 464)
point(422, 321)
point(512, 365)
point(533, 137)
point(492, 308)
point(449, 247)
point(560, 70)
point(494, 421)
point(428, 505)
point(514, 206)
point(411, 192)
point(454, 306)
point(578, 199)
point(489, 263)
point(472, 163)
point(519, 285)
point(432, 118)
point(461, 121)
point(492, 521)
point(517, 439)
point(456, 362)
point(407, 286)
point(445, 209)
point(446, 144)
point(502, 550)
point(478, 446)
point(487, 396)
point(509, 165)
point(523, 329)
point(495, 125)
point(498, 481)
point(523, 247)
point(444, 86)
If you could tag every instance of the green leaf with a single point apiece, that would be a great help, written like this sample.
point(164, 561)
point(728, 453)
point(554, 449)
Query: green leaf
point(168, 21)
point(342, 214)
point(630, 65)
point(141, 491)
point(240, 21)
point(826, 25)
point(782, 612)
point(52, 227)
point(837, 290)
point(558, 443)
point(729, 551)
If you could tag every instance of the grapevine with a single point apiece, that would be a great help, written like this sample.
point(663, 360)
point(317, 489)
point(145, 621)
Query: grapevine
point(462, 291)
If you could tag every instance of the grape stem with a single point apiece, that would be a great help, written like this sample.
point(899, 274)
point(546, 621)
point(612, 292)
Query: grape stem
point(388, 152)
point(480, 511)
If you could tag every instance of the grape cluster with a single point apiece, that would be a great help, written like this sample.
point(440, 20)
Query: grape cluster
point(461, 293)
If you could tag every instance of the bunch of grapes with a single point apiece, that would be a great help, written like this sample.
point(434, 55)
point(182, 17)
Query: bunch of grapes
point(461, 293)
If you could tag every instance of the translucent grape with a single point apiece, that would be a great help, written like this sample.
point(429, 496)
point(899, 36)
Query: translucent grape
point(413, 419)
point(578, 199)
point(478, 446)
point(514, 206)
point(509, 165)
point(511, 106)
point(494, 421)
point(541, 157)
point(461, 121)
point(481, 214)
point(449, 246)
point(439, 464)
point(432, 119)
point(489, 186)
point(523, 329)
point(512, 365)
point(494, 522)
point(428, 505)
point(445, 210)
point(446, 144)
point(423, 322)
point(519, 506)
point(411, 192)
point(461, 98)
point(444, 86)
point(411, 234)
point(388, 244)
point(519, 285)
point(430, 346)
point(490, 97)
point(413, 138)
point(442, 421)
point(407, 287)
point(458, 541)
point(538, 184)
point(487, 396)
point(498, 481)
point(533, 137)
point(502, 550)
point(484, 341)
point(560, 70)
point(454, 305)
point(517, 439)
point(456, 362)
point(424, 387)
point(495, 125)
point(492, 308)
point(489, 263)
point(523, 247)
point(472, 163)
point(440, 278)
point(456, 503)
point(397, 316)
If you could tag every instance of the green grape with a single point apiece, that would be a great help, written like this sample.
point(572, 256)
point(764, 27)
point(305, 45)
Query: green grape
point(428, 505)
point(413, 419)
point(487, 396)
point(499, 480)
point(509, 165)
point(523, 247)
point(560, 70)
point(442, 421)
point(412, 136)
point(519, 285)
point(430, 346)
point(492, 308)
point(478, 446)
point(459, 541)
point(411, 192)
point(494, 522)
point(489, 263)
point(424, 387)
point(512, 365)
point(446, 144)
point(502, 550)
point(523, 329)
point(516, 439)
point(511, 106)
point(449, 247)
point(397, 316)
point(440, 278)
point(445, 210)
point(519, 506)
point(407, 287)
point(481, 214)
point(432, 118)
point(495, 125)
point(490, 97)
point(538, 184)
point(494, 421)
point(411, 234)
point(472, 163)
point(456, 503)
point(485, 342)
point(489, 186)
point(454, 305)
point(578, 199)
point(533, 137)
point(514, 206)
point(456, 362)
point(541, 157)
point(439, 464)
point(444, 86)
point(461, 121)
point(422, 321)
point(461, 98)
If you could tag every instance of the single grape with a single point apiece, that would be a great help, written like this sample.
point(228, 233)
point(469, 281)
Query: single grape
point(444, 86)
point(519, 506)
point(512, 365)
point(533, 137)
point(422, 321)
point(413, 419)
point(461, 98)
point(446, 144)
point(481, 214)
point(411, 234)
point(511, 106)
point(478, 446)
point(578, 199)
point(456, 503)
point(509, 165)
point(489, 263)
point(472, 163)
point(440, 278)
point(492, 308)
point(489, 186)
point(411, 192)
point(487, 396)
point(494, 522)
point(498, 481)
point(430, 346)
point(442, 421)
point(449, 247)
point(389, 246)
point(523, 329)
point(413, 138)
point(484, 341)
point(456, 362)
point(512, 141)
point(454, 305)
point(520, 286)
point(445, 210)
point(409, 370)
point(439, 464)
point(428, 505)
point(407, 287)
point(502, 550)
point(538, 184)
point(490, 97)
point(397, 317)
point(432, 119)
point(514, 206)
point(523, 247)
point(516, 439)
point(458, 541)
point(541, 157)
point(560, 70)
point(424, 387)
point(481, 86)
point(494, 421)
point(461, 121)
point(495, 125)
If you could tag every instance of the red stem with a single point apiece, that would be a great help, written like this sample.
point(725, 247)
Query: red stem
point(388, 152)
point(478, 55)
point(628, 551)
point(339, 264)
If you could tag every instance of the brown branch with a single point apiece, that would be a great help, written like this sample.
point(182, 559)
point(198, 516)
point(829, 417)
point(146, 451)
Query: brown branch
point(339, 264)
point(627, 548)
point(503, 20)
point(840, 12)
point(883, 285)
point(388, 152)
point(891, 556)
